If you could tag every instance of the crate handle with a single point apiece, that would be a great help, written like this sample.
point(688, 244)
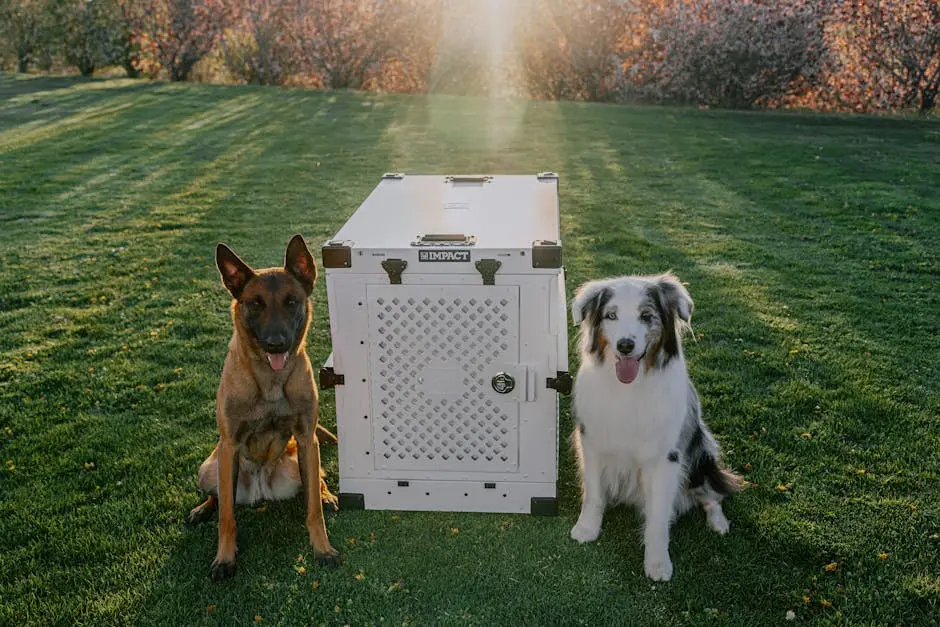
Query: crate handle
point(468, 179)
point(444, 237)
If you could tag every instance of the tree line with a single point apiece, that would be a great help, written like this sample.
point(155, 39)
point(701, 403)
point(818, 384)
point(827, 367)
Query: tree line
point(858, 55)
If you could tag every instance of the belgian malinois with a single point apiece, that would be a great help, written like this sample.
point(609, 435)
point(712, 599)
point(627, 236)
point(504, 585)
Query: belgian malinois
point(266, 406)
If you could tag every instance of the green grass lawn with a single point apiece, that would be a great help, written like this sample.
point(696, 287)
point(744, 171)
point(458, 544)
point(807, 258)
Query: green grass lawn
point(810, 243)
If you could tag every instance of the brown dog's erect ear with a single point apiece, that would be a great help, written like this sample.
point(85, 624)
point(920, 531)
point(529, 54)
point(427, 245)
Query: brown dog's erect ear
point(299, 262)
point(235, 272)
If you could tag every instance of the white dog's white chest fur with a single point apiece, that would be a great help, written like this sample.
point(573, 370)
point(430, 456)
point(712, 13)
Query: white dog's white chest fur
point(639, 421)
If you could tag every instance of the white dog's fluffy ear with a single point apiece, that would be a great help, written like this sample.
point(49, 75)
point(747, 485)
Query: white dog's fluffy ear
point(585, 298)
point(675, 295)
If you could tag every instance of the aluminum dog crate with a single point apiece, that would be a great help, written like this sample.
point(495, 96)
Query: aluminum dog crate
point(447, 313)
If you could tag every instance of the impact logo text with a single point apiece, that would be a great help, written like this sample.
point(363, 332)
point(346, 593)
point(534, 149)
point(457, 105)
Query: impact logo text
point(443, 255)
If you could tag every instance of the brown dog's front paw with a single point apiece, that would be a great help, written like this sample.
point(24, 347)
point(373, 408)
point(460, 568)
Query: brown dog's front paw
point(220, 571)
point(329, 500)
point(199, 514)
point(329, 558)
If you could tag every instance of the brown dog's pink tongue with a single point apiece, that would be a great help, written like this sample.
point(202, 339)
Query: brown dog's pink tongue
point(277, 361)
point(627, 369)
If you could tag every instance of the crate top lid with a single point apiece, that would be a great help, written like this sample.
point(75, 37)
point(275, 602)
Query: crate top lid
point(491, 211)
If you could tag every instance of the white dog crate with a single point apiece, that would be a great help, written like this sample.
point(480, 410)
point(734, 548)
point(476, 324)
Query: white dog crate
point(447, 313)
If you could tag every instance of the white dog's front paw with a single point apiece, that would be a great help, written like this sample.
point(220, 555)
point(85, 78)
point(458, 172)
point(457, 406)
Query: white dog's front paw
point(583, 532)
point(718, 521)
point(658, 568)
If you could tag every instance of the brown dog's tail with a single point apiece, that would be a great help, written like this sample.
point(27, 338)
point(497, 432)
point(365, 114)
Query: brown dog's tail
point(325, 436)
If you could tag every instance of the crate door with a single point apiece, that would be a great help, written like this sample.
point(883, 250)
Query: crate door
point(435, 358)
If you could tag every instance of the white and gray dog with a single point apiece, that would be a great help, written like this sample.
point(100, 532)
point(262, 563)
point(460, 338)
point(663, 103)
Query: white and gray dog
point(639, 435)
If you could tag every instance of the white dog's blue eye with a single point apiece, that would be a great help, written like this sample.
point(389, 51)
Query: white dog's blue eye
point(611, 315)
point(646, 316)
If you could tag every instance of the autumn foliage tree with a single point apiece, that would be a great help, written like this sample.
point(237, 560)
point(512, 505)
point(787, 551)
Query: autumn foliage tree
point(572, 49)
point(87, 32)
point(24, 27)
point(259, 41)
point(344, 42)
point(731, 53)
point(889, 52)
point(179, 32)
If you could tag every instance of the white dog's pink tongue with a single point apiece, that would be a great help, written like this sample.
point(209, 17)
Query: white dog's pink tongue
point(627, 369)
point(277, 361)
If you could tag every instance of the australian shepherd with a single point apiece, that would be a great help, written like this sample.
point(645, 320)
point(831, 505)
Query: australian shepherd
point(639, 437)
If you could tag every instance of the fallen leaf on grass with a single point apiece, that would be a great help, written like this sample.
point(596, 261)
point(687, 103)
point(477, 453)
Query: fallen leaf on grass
point(454, 531)
point(210, 608)
point(791, 615)
point(831, 567)
point(301, 570)
point(89, 465)
point(882, 556)
point(785, 488)
point(359, 576)
point(258, 619)
point(825, 603)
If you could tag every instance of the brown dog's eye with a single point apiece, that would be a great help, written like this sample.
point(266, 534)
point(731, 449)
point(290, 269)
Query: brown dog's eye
point(646, 317)
point(256, 304)
point(290, 301)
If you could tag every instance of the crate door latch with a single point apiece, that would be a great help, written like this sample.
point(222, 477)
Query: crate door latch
point(330, 378)
point(394, 268)
point(561, 383)
point(487, 269)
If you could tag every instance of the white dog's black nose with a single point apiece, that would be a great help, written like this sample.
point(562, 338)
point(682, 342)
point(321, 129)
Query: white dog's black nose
point(625, 346)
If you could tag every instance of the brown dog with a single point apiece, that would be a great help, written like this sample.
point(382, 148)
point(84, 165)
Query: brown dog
point(266, 406)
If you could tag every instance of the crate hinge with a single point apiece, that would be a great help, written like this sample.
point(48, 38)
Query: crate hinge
point(329, 378)
point(546, 254)
point(394, 268)
point(487, 268)
point(337, 254)
point(561, 382)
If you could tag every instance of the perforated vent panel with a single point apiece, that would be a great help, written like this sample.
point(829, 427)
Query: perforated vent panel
point(433, 354)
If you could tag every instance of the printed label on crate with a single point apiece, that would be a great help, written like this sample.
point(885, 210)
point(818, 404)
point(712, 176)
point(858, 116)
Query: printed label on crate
point(443, 255)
